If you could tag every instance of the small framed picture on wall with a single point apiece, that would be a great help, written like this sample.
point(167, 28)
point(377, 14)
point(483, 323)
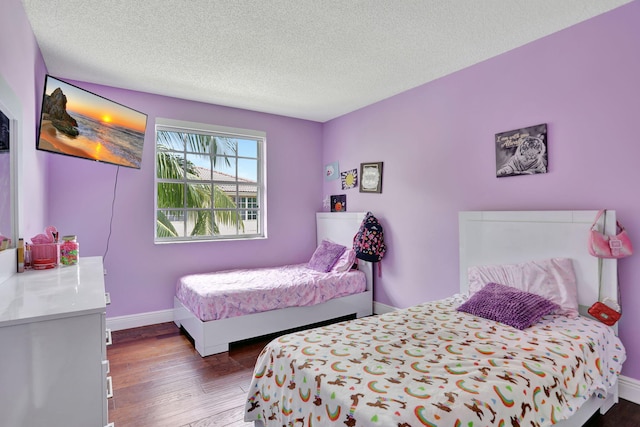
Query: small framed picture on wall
point(522, 151)
point(371, 177)
point(5, 132)
point(339, 203)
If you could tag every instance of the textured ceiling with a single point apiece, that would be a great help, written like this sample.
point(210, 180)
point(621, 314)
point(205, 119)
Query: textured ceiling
point(310, 59)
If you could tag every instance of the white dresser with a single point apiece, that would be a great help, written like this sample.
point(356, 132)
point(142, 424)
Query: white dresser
point(53, 357)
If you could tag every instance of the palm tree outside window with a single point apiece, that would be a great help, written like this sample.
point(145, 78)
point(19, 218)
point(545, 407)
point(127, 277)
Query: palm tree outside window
point(209, 182)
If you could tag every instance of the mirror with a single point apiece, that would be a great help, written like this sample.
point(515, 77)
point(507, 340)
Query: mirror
point(10, 132)
point(6, 227)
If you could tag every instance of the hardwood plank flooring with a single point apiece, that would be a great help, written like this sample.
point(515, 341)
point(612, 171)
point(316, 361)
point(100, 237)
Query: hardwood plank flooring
point(159, 380)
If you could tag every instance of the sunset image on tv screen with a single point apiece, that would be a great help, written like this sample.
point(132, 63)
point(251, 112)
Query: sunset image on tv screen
point(79, 123)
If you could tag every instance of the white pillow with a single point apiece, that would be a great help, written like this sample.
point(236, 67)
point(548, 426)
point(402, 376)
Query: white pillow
point(553, 279)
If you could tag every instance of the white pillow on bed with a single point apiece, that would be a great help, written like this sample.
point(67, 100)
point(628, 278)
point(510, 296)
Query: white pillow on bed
point(553, 279)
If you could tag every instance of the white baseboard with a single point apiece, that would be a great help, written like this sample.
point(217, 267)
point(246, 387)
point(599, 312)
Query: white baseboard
point(379, 308)
point(138, 320)
point(629, 389)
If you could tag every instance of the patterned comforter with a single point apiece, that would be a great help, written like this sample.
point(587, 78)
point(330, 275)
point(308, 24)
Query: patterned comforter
point(430, 365)
point(231, 293)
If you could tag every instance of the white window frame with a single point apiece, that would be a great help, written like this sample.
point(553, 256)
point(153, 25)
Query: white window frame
point(163, 124)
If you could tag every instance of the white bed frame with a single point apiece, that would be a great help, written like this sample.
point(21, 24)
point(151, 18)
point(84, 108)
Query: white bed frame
point(214, 336)
point(507, 237)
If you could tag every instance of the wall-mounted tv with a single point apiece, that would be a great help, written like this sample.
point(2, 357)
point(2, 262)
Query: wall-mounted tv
point(79, 123)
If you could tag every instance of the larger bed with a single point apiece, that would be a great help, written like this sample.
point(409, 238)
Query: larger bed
point(244, 308)
point(434, 365)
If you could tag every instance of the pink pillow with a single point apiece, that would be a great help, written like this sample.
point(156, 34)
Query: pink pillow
point(325, 256)
point(345, 262)
point(553, 279)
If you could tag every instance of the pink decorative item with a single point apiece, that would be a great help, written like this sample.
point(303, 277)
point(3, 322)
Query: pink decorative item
point(44, 256)
point(45, 251)
point(603, 246)
point(50, 235)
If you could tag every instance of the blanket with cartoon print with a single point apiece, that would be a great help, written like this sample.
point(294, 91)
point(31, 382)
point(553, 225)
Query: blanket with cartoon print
point(430, 365)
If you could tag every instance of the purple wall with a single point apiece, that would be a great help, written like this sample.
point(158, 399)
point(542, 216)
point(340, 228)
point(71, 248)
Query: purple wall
point(436, 142)
point(141, 276)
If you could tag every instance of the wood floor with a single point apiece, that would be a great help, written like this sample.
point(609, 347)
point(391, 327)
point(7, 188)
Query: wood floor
point(159, 380)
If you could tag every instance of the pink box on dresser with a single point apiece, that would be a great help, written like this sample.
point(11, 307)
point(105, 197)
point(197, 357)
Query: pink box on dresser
point(44, 256)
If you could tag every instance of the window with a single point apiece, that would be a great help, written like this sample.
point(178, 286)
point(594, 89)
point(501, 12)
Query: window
point(251, 203)
point(209, 182)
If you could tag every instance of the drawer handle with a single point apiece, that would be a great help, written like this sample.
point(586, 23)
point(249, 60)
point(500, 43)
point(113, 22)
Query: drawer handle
point(109, 387)
point(109, 339)
point(107, 298)
point(107, 366)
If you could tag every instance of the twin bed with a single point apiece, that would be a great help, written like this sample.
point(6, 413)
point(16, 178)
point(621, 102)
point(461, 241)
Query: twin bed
point(219, 308)
point(434, 365)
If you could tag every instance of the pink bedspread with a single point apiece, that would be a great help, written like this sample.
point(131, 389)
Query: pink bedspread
point(224, 294)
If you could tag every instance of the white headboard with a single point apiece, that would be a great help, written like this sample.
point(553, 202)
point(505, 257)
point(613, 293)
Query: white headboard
point(340, 227)
point(507, 237)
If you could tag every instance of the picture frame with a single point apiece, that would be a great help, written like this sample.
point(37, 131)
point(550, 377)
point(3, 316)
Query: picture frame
point(5, 132)
point(371, 177)
point(339, 203)
point(522, 151)
point(349, 179)
point(331, 171)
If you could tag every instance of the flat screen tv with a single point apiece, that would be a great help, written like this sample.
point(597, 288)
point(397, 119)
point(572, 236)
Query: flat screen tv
point(79, 123)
